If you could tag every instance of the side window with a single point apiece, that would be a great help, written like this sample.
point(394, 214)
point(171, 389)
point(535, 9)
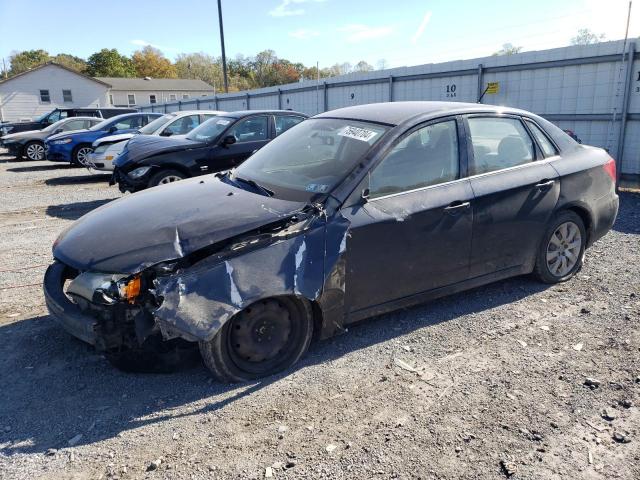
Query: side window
point(74, 125)
point(91, 123)
point(251, 129)
point(428, 156)
point(285, 122)
point(547, 147)
point(131, 99)
point(54, 116)
point(127, 123)
point(498, 143)
point(183, 125)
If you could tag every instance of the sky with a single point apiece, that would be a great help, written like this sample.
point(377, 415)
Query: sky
point(402, 32)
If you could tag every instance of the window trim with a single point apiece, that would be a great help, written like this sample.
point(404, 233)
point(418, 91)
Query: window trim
point(134, 99)
point(471, 153)
point(44, 102)
point(546, 135)
point(462, 157)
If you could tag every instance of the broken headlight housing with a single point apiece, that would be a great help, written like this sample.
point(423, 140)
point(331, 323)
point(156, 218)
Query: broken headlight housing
point(106, 288)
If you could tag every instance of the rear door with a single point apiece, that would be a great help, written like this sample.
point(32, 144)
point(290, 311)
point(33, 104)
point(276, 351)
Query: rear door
point(515, 192)
point(414, 232)
point(251, 134)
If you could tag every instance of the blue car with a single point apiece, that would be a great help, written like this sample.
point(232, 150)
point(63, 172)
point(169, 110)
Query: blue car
point(74, 146)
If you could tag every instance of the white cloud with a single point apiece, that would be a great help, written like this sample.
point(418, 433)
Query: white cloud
point(304, 34)
point(144, 43)
point(416, 36)
point(358, 32)
point(288, 8)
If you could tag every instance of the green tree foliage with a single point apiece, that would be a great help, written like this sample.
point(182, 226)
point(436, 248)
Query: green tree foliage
point(23, 61)
point(71, 61)
point(587, 37)
point(109, 63)
point(507, 49)
point(151, 62)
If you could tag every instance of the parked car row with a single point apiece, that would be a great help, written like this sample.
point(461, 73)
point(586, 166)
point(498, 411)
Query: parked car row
point(349, 214)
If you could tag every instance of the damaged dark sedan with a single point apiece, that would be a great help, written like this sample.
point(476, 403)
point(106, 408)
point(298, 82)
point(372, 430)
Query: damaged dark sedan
point(350, 214)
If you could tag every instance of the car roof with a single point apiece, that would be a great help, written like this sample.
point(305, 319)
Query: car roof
point(182, 113)
point(394, 113)
point(82, 118)
point(245, 113)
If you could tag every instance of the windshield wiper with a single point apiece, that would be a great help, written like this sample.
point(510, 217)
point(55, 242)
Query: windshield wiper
point(254, 184)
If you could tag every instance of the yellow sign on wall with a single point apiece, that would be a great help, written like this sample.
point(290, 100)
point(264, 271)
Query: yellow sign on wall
point(493, 87)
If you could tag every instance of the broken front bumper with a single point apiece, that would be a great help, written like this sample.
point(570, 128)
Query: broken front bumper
point(63, 310)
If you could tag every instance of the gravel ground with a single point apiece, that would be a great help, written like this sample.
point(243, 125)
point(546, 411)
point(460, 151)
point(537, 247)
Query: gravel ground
point(485, 384)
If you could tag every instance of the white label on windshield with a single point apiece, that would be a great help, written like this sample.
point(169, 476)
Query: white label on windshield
point(223, 122)
point(357, 133)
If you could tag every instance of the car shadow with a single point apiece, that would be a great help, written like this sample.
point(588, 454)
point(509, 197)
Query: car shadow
point(55, 387)
point(628, 220)
point(73, 211)
point(92, 178)
point(41, 168)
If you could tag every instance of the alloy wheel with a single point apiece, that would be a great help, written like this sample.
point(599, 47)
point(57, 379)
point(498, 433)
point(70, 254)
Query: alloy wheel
point(82, 155)
point(169, 179)
point(35, 151)
point(563, 249)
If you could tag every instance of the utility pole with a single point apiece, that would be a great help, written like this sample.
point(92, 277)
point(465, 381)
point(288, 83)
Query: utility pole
point(224, 57)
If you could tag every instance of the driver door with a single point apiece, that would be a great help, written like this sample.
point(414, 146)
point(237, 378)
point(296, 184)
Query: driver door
point(251, 134)
point(413, 234)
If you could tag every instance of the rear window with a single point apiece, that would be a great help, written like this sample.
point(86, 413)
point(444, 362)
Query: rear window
point(547, 147)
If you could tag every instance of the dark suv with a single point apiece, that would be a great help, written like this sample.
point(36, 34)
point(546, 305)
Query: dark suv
point(60, 114)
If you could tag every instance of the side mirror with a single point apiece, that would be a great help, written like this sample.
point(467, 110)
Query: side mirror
point(228, 140)
point(365, 195)
point(166, 133)
point(113, 129)
point(58, 130)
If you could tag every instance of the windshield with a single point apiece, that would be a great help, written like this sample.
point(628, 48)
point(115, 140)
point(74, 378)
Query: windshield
point(42, 117)
point(159, 122)
point(102, 125)
point(312, 157)
point(210, 130)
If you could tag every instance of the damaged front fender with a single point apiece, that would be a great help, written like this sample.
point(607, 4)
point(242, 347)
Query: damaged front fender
point(197, 301)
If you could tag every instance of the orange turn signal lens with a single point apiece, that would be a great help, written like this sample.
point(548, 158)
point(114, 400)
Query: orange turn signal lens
point(131, 290)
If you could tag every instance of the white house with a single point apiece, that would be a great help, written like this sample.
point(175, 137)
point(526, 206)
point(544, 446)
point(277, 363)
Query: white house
point(33, 93)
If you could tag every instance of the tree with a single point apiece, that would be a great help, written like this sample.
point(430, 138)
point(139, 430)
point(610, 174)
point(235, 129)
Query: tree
point(200, 66)
point(70, 61)
point(109, 63)
point(362, 66)
point(26, 60)
point(507, 49)
point(150, 62)
point(587, 37)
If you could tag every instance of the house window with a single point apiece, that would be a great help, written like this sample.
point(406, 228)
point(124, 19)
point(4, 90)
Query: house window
point(172, 97)
point(152, 99)
point(44, 96)
point(66, 96)
point(185, 96)
point(110, 99)
point(131, 97)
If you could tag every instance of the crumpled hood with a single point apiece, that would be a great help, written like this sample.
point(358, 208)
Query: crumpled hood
point(165, 223)
point(114, 138)
point(143, 146)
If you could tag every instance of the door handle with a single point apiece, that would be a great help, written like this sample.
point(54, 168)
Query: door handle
point(457, 207)
point(545, 185)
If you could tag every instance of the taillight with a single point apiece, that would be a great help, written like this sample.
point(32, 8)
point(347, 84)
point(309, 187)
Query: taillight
point(610, 168)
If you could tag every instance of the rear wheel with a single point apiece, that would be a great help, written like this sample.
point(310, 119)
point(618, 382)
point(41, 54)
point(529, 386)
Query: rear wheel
point(561, 251)
point(80, 155)
point(263, 339)
point(34, 151)
point(165, 176)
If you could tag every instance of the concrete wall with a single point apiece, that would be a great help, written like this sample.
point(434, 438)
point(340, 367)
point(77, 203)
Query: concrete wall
point(576, 87)
point(20, 97)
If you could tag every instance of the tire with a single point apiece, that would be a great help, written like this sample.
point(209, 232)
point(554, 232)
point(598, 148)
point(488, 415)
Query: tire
point(234, 355)
point(561, 252)
point(33, 151)
point(165, 176)
point(79, 154)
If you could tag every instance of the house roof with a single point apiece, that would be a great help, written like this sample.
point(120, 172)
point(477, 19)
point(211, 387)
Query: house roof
point(59, 66)
point(133, 84)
